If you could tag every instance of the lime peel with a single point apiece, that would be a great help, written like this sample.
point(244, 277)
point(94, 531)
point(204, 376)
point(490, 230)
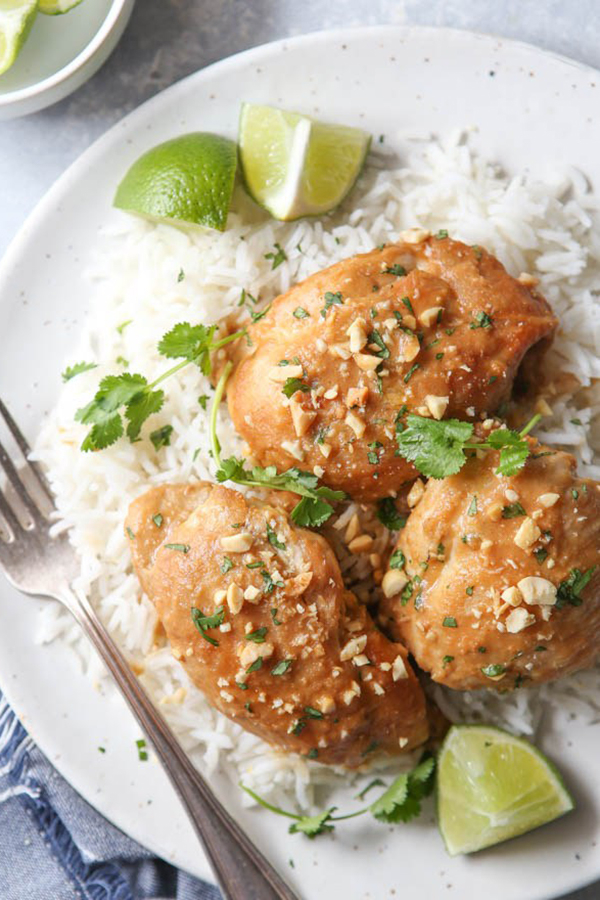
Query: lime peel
point(57, 7)
point(187, 180)
point(493, 786)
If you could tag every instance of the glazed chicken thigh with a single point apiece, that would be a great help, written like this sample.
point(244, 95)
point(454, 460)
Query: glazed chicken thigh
point(498, 578)
point(434, 327)
point(256, 610)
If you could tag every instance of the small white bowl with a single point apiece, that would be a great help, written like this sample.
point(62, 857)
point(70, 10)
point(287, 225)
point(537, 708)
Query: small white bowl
point(60, 54)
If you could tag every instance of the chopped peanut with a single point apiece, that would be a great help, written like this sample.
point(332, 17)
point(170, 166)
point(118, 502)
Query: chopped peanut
point(415, 494)
point(537, 591)
point(282, 373)
point(436, 405)
point(527, 534)
point(357, 425)
point(235, 598)
point(361, 544)
point(549, 499)
point(518, 620)
point(430, 316)
point(237, 543)
point(393, 582)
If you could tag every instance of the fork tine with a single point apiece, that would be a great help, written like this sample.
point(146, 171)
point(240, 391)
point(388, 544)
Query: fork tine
point(26, 451)
point(17, 485)
point(7, 513)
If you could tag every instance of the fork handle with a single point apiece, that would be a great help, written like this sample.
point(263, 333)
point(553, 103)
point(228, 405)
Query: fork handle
point(242, 871)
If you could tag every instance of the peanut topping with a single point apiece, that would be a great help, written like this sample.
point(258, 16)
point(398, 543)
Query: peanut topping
point(357, 396)
point(399, 669)
point(357, 334)
point(393, 582)
point(512, 596)
point(415, 494)
point(436, 405)
point(414, 235)
point(357, 425)
point(237, 543)
point(353, 647)
point(235, 598)
point(302, 419)
point(282, 373)
point(527, 534)
point(537, 591)
point(409, 347)
point(361, 544)
point(548, 500)
point(518, 620)
point(430, 316)
point(365, 362)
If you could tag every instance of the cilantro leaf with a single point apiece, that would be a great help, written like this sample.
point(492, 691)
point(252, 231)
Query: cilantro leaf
point(139, 408)
point(436, 448)
point(190, 342)
point(292, 385)
point(102, 413)
point(401, 802)
point(277, 258)
point(77, 369)
point(311, 512)
point(161, 437)
point(103, 434)
point(205, 623)
point(311, 826)
point(331, 300)
point(569, 590)
point(273, 539)
point(389, 516)
point(514, 450)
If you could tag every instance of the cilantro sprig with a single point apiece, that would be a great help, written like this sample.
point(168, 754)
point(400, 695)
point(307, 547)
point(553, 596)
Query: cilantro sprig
point(312, 510)
point(437, 448)
point(400, 802)
point(123, 402)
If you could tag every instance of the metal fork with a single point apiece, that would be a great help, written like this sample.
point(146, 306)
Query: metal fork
point(43, 565)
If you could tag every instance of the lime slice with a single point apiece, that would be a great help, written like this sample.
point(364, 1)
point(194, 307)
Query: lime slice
point(492, 786)
point(295, 166)
point(187, 179)
point(57, 7)
point(16, 19)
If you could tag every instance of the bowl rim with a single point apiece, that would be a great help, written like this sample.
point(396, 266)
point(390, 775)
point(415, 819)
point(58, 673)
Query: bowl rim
point(117, 8)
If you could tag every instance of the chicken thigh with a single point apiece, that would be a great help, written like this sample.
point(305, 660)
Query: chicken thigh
point(436, 327)
point(496, 580)
point(256, 610)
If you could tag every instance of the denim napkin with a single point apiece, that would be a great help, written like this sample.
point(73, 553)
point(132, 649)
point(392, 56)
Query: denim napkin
point(53, 846)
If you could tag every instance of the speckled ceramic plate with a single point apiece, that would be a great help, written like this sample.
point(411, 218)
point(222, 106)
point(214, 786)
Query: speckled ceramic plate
point(530, 109)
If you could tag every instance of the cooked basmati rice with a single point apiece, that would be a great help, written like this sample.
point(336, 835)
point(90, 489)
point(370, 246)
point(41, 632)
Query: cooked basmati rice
point(548, 228)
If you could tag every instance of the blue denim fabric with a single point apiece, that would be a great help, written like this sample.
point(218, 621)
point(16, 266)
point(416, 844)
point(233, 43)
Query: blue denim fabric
point(53, 846)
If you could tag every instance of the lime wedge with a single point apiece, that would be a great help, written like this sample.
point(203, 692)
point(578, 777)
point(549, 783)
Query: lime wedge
point(57, 7)
point(16, 19)
point(492, 786)
point(187, 179)
point(295, 166)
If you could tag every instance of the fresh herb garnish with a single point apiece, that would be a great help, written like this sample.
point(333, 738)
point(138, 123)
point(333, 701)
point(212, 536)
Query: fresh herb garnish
point(540, 554)
point(513, 511)
point(282, 667)
point(123, 402)
point(437, 448)
point(449, 622)
point(161, 437)
point(181, 548)
point(472, 510)
point(274, 616)
point(482, 320)
point(206, 623)
point(375, 338)
point(141, 749)
point(77, 369)
point(400, 802)
point(158, 520)
point(203, 400)
point(255, 666)
point(292, 385)
point(278, 257)
point(257, 636)
point(226, 565)
point(389, 516)
point(411, 372)
point(301, 313)
point(396, 270)
point(180, 276)
point(273, 539)
point(569, 590)
point(331, 300)
point(493, 671)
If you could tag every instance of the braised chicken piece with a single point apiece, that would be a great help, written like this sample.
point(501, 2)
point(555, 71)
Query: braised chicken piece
point(435, 327)
point(256, 610)
point(496, 580)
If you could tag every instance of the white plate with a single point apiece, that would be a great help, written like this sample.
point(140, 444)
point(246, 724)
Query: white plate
point(60, 54)
point(531, 109)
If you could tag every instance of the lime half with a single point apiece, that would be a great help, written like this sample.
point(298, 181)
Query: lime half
point(295, 166)
point(187, 179)
point(492, 786)
point(57, 7)
point(16, 19)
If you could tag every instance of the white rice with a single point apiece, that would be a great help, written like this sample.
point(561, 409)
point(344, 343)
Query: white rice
point(548, 227)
